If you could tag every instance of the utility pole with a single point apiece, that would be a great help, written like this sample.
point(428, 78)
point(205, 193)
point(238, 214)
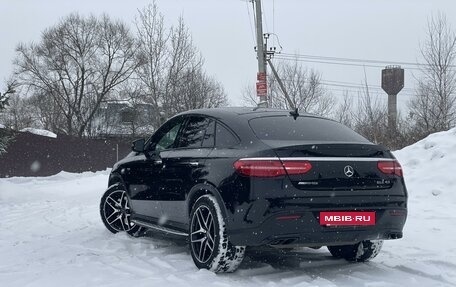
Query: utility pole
point(261, 85)
point(264, 56)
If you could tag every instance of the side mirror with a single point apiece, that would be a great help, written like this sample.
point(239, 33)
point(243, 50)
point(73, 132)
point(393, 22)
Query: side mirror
point(138, 145)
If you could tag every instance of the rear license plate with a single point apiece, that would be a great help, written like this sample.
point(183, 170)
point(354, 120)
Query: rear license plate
point(347, 218)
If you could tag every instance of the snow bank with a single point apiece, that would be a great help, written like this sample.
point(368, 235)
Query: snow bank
point(429, 167)
point(39, 132)
point(51, 235)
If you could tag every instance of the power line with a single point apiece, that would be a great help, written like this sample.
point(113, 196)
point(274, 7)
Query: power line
point(254, 15)
point(358, 88)
point(346, 62)
point(273, 21)
point(250, 21)
point(357, 93)
point(265, 16)
point(342, 59)
point(352, 87)
point(355, 60)
point(361, 85)
point(281, 57)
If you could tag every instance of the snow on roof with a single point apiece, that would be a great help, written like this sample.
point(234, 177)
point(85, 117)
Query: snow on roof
point(39, 132)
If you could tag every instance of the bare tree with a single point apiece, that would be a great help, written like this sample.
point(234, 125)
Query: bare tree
point(19, 114)
point(77, 64)
point(3, 101)
point(370, 117)
point(4, 97)
point(47, 113)
point(153, 38)
point(344, 112)
point(197, 90)
point(172, 76)
point(5, 137)
point(434, 107)
point(303, 86)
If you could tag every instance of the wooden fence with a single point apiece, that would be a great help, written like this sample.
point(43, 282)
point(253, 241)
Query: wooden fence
point(33, 155)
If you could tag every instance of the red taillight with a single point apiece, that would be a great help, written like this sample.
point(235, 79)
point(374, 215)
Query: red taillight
point(260, 168)
point(271, 167)
point(297, 167)
point(390, 167)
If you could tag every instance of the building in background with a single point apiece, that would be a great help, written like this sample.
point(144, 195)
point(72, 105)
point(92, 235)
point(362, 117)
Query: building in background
point(123, 118)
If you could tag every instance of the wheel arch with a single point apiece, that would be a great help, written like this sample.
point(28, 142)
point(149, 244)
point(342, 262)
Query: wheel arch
point(115, 179)
point(202, 189)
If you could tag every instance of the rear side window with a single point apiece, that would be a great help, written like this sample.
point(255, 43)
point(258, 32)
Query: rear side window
point(193, 134)
point(303, 129)
point(209, 136)
point(224, 138)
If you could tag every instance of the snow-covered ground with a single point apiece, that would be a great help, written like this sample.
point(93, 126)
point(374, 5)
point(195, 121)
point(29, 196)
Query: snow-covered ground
point(51, 235)
point(39, 132)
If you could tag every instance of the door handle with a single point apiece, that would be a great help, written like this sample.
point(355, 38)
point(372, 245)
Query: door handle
point(158, 162)
point(194, 163)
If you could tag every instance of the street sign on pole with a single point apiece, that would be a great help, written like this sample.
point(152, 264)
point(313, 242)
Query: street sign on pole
point(261, 77)
point(262, 89)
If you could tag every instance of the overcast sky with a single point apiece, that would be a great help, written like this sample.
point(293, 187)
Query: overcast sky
point(389, 30)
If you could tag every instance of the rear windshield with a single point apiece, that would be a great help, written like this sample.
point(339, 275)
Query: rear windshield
point(308, 129)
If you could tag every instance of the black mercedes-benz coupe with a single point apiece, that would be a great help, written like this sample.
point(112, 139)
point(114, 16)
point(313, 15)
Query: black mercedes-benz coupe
point(237, 177)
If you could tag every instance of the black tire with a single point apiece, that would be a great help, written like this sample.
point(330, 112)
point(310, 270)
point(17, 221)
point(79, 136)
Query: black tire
point(207, 230)
point(115, 212)
point(360, 252)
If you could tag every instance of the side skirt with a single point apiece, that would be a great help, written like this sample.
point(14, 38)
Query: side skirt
point(158, 227)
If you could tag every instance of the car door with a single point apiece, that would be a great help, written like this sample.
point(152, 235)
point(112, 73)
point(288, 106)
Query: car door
point(146, 174)
point(185, 167)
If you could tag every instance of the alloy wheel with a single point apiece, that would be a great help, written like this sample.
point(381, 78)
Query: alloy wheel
point(117, 211)
point(202, 237)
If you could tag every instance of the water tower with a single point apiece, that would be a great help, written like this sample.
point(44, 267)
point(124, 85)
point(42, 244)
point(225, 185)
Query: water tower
point(392, 84)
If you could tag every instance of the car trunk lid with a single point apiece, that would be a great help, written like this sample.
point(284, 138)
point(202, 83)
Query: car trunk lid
point(336, 166)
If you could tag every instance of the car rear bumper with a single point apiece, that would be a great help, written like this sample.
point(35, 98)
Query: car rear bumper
point(296, 221)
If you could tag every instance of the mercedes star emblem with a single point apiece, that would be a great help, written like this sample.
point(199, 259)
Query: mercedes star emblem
point(349, 171)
